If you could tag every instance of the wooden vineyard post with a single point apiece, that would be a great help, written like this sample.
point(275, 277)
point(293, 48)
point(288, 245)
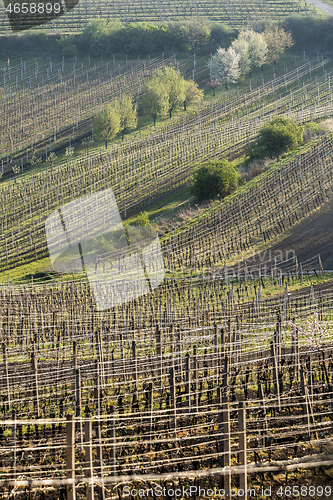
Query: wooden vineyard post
point(36, 397)
point(222, 343)
point(97, 390)
point(13, 440)
point(188, 389)
point(6, 377)
point(75, 355)
point(100, 459)
point(58, 357)
point(172, 397)
point(263, 431)
point(112, 435)
point(179, 346)
point(70, 457)
point(225, 377)
point(195, 378)
point(242, 449)
point(226, 446)
point(159, 353)
point(275, 372)
point(220, 422)
point(99, 351)
point(135, 364)
point(305, 403)
point(88, 471)
point(216, 348)
point(74, 369)
point(122, 355)
point(150, 417)
point(310, 378)
point(78, 410)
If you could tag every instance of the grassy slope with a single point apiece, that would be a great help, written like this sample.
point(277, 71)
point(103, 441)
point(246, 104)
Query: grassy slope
point(145, 124)
point(171, 203)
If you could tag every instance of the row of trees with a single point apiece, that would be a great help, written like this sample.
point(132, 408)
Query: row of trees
point(249, 50)
point(102, 37)
point(164, 92)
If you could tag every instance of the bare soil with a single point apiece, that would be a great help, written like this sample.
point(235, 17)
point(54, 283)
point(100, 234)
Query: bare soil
point(311, 236)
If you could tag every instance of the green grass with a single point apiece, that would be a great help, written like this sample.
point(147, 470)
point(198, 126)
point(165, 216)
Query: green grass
point(145, 126)
point(40, 270)
point(169, 204)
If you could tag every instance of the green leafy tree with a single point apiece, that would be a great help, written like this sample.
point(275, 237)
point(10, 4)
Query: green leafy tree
point(67, 46)
point(128, 114)
point(106, 123)
point(174, 84)
point(214, 179)
point(155, 100)
point(195, 32)
point(277, 40)
point(277, 136)
point(192, 93)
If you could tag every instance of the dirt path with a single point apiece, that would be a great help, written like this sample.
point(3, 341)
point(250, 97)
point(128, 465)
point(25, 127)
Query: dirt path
point(322, 6)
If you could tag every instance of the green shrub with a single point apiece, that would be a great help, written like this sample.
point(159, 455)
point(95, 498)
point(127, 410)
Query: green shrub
point(142, 220)
point(276, 137)
point(214, 179)
point(67, 46)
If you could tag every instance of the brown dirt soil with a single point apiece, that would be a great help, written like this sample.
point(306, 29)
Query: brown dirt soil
point(311, 236)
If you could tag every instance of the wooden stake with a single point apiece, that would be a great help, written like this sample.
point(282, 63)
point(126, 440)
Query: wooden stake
point(88, 471)
point(36, 396)
point(112, 435)
point(226, 447)
point(6, 377)
point(188, 393)
point(70, 457)
point(150, 409)
point(173, 398)
point(13, 440)
point(242, 449)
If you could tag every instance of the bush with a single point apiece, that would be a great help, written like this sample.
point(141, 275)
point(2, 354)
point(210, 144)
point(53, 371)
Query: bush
point(214, 179)
point(142, 220)
point(67, 46)
point(310, 32)
point(313, 130)
point(277, 136)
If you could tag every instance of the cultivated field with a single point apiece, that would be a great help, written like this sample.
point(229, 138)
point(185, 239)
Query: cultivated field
point(202, 382)
point(233, 13)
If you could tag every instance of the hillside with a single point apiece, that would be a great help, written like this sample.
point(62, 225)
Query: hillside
point(191, 352)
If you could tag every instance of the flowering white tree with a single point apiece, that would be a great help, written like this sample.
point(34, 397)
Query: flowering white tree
point(224, 65)
point(241, 47)
point(257, 47)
